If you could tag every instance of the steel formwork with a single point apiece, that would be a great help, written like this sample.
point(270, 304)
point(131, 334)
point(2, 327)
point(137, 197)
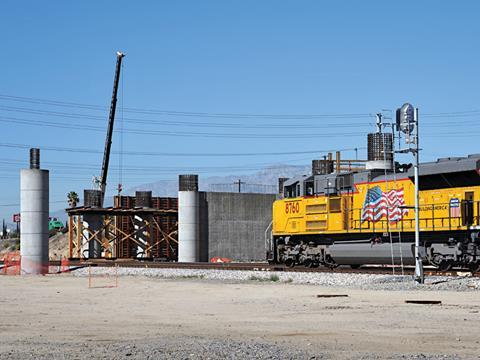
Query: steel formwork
point(127, 231)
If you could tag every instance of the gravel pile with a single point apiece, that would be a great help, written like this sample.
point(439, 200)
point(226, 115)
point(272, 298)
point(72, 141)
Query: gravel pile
point(356, 281)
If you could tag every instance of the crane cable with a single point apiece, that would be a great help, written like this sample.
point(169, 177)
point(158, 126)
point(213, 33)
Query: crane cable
point(120, 151)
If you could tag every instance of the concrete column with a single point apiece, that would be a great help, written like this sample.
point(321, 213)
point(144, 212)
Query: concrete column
point(143, 236)
point(34, 209)
point(143, 199)
point(188, 219)
point(92, 222)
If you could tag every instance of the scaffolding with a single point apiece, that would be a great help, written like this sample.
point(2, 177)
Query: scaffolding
point(126, 231)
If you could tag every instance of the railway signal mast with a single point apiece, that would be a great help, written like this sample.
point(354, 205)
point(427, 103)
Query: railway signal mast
point(407, 123)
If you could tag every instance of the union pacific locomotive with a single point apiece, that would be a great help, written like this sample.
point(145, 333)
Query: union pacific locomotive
point(347, 215)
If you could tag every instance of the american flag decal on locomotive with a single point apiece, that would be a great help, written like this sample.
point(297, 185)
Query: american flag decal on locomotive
point(379, 204)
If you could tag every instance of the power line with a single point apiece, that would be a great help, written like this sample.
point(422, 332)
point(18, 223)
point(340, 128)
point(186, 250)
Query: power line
point(145, 172)
point(176, 123)
point(181, 113)
point(68, 104)
point(202, 134)
point(179, 122)
point(197, 154)
point(42, 123)
point(50, 202)
point(85, 166)
point(453, 113)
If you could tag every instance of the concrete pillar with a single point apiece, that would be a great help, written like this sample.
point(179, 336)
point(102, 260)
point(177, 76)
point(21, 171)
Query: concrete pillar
point(92, 222)
point(188, 219)
point(34, 209)
point(143, 236)
point(143, 199)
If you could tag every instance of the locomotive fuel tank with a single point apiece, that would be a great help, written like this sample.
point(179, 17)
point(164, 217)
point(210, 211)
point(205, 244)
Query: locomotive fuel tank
point(360, 252)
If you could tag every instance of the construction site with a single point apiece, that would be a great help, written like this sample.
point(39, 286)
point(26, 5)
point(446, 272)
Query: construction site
point(136, 231)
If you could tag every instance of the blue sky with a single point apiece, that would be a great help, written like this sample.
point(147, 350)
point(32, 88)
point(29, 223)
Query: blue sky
point(246, 57)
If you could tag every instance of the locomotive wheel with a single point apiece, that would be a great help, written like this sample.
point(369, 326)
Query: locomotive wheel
point(356, 266)
point(289, 263)
point(308, 263)
point(330, 263)
point(474, 267)
point(445, 265)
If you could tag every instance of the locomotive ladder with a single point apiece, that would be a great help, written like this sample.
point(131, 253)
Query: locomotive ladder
point(399, 237)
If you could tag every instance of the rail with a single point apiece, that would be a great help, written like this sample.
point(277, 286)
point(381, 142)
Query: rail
point(256, 266)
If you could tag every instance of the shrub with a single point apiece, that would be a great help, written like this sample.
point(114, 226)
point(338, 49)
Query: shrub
point(274, 277)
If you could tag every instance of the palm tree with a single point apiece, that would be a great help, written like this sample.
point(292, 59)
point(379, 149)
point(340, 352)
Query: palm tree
point(73, 199)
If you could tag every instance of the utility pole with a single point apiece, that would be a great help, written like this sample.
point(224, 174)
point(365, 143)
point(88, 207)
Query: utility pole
point(419, 276)
point(239, 183)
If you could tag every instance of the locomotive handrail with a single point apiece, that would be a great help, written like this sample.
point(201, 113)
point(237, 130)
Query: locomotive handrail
point(426, 222)
point(268, 238)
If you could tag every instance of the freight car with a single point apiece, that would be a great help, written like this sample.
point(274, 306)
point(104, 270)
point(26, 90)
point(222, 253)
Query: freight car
point(366, 216)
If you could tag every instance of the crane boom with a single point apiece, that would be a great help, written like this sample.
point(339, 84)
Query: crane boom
point(111, 119)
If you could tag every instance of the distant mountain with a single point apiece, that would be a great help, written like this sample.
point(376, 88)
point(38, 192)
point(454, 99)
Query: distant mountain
point(265, 180)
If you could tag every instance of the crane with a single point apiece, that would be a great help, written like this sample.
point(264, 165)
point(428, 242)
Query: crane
point(111, 120)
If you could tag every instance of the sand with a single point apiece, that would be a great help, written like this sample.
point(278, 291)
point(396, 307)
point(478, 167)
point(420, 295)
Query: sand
point(58, 316)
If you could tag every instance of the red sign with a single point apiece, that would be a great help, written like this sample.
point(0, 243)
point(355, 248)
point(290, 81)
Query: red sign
point(16, 218)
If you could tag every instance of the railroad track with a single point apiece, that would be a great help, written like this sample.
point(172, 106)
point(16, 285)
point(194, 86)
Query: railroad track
point(260, 266)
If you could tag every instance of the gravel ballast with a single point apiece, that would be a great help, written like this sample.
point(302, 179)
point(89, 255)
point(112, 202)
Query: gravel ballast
point(343, 280)
point(194, 348)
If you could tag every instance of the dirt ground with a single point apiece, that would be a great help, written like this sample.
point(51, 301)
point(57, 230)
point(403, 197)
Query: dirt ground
point(58, 246)
point(58, 316)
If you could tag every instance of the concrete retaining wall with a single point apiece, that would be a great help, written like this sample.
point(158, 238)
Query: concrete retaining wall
point(233, 224)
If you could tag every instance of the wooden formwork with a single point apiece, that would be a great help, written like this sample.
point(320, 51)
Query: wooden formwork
point(127, 231)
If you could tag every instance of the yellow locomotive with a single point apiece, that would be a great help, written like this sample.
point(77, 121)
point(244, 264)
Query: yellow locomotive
point(343, 216)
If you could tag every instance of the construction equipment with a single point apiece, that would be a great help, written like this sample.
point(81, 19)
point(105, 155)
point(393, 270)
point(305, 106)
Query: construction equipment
point(111, 119)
